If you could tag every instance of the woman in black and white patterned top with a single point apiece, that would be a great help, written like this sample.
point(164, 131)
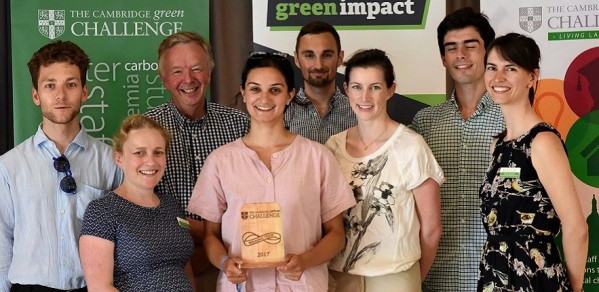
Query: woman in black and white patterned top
point(528, 192)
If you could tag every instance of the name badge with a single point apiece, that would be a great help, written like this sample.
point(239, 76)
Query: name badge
point(183, 223)
point(509, 172)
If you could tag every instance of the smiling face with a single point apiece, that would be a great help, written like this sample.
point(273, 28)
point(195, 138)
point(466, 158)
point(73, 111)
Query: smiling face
point(143, 159)
point(266, 95)
point(507, 82)
point(185, 71)
point(59, 93)
point(368, 93)
point(464, 55)
point(317, 57)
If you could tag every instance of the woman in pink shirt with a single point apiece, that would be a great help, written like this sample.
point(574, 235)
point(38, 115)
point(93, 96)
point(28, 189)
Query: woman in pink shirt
point(272, 164)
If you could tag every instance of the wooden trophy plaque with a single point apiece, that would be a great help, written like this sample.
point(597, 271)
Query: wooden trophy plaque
point(262, 243)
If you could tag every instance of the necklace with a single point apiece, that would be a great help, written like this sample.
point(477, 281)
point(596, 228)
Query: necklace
point(375, 139)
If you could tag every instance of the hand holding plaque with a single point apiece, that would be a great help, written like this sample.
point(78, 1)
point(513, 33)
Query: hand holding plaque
point(262, 236)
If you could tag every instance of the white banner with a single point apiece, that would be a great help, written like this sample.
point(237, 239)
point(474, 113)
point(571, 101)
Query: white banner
point(405, 29)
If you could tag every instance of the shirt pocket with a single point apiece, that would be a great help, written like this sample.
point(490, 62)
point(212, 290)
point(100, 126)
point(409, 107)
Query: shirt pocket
point(86, 194)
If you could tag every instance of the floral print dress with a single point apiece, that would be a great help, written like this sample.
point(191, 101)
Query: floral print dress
point(520, 253)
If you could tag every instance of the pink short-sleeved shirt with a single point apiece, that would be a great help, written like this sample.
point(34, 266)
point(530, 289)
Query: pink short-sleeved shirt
point(305, 179)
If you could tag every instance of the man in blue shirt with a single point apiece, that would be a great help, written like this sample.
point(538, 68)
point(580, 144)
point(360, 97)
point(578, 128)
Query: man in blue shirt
point(47, 181)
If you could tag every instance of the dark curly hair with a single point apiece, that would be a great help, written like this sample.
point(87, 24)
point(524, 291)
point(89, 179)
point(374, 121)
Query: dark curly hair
point(58, 52)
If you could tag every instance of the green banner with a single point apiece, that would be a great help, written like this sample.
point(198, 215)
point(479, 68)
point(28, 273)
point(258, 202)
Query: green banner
point(120, 37)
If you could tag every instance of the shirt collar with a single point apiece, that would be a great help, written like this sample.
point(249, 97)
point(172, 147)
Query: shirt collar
point(81, 139)
point(183, 120)
point(302, 98)
point(485, 102)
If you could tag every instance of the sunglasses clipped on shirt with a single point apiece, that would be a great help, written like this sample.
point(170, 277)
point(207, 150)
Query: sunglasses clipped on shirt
point(67, 183)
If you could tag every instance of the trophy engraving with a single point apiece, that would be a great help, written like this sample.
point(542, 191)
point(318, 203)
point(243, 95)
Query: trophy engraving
point(262, 235)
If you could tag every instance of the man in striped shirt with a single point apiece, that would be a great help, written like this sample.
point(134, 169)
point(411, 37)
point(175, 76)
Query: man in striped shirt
point(459, 132)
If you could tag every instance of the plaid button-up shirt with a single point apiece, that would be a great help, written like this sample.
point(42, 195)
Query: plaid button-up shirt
point(302, 117)
point(191, 143)
point(462, 149)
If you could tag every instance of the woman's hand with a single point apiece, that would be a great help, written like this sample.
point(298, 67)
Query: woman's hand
point(328, 247)
point(232, 270)
point(217, 254)
point(294, 268)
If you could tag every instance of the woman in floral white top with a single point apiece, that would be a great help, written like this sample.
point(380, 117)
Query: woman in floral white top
point(393, 231)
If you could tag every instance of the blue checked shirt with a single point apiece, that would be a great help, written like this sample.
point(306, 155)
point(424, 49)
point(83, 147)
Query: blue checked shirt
point(191, 143)
point(462, 149)
point(39, 223)
point(301, 117)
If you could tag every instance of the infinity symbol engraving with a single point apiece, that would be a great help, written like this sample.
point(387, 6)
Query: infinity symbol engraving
point(250, 238)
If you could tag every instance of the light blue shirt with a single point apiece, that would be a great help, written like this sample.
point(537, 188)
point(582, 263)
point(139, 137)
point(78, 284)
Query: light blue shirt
point(39, 223)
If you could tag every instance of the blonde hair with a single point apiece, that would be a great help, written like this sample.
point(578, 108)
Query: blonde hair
point(136, 122)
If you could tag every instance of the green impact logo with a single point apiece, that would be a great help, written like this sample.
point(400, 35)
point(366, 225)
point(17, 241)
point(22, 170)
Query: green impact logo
point(348, 13)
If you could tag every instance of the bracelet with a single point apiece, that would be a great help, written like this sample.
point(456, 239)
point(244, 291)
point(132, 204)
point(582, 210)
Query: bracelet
point(223, 261)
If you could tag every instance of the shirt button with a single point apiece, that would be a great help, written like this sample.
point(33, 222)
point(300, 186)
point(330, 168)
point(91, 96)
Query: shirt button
point(276, 155)
point(197, 157)
point(463, 221)
point(315, 114)
point(195, 136)
point(269, 180)
point(61, 211)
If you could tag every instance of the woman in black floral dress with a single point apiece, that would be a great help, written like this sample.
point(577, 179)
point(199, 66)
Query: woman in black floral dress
point(528, 192)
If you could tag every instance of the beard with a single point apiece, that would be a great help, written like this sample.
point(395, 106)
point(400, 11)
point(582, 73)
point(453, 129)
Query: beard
point(60, 119)
point(320, 81)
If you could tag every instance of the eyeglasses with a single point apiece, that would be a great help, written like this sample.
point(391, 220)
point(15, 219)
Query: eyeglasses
point(264, 54)
point(67, 183)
